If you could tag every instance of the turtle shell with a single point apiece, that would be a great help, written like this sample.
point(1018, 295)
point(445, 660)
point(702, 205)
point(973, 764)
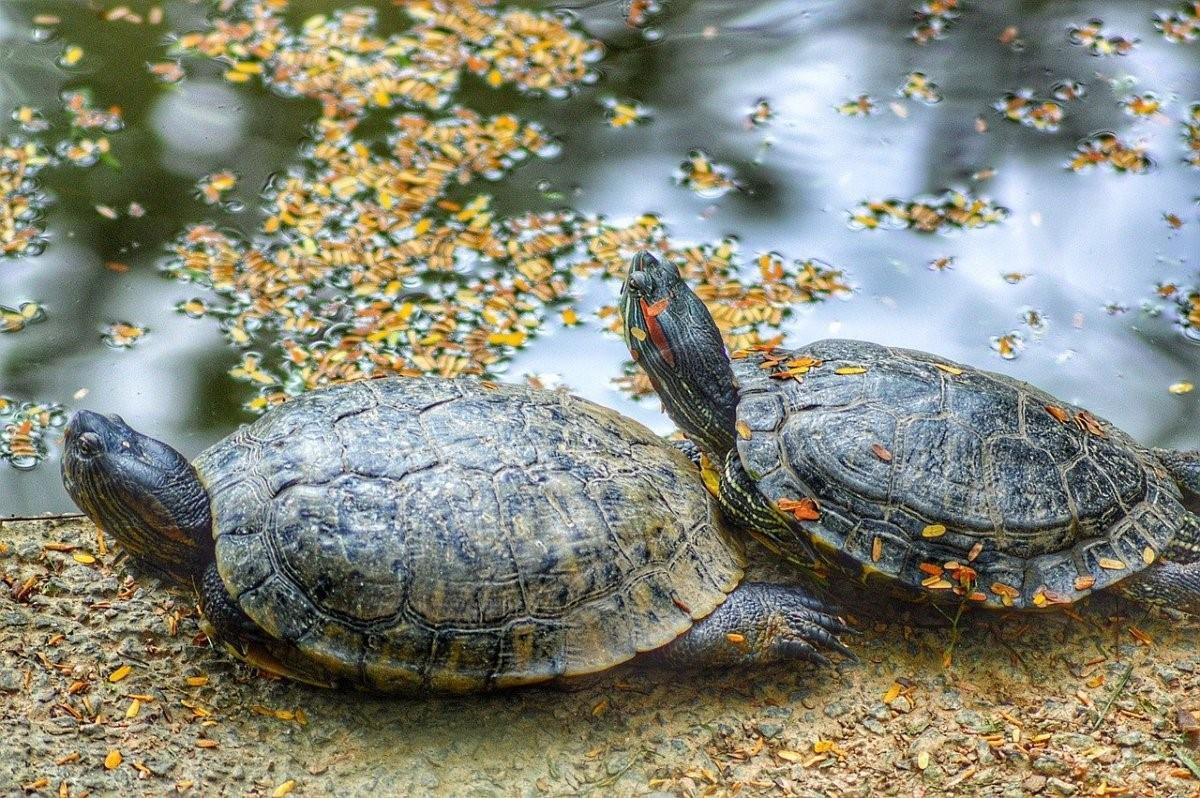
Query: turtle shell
point(410, 534)
point(951, 479)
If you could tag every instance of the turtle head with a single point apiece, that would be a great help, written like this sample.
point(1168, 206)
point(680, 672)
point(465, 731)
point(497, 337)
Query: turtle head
point(673, 337)
point(141, 491)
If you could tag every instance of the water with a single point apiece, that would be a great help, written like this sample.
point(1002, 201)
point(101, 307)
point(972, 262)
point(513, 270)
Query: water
point(1062, 292)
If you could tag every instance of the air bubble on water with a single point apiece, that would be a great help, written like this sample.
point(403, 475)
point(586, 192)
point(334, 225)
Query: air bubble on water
point(24, 462)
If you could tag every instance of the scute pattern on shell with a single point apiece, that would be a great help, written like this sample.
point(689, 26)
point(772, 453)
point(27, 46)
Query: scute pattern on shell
point(972, 450)
point(412, 534)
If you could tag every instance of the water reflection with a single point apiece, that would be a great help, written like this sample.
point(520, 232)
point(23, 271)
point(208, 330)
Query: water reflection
point(1089, 246)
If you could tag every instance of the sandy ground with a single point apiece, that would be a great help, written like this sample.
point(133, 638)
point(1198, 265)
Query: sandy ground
point(108, 688)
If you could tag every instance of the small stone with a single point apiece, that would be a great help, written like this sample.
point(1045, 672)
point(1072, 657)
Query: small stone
point(769, 729)
point(1130, 738)
point(1050, 765)
point(1062, 787)
point(874, 726)
point(1034, 784)
point(837, 709)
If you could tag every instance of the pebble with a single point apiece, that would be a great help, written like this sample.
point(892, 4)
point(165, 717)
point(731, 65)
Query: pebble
point(1050, 765)
point(1062, 787)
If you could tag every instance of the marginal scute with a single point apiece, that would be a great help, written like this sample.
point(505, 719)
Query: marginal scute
point(424, 534)
point(1044, 495)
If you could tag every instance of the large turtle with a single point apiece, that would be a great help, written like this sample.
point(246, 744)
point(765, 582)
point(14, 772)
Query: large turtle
point(947, 481)
point(411, 535)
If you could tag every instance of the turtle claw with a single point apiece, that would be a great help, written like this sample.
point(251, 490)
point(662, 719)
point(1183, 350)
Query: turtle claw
point(810, 631)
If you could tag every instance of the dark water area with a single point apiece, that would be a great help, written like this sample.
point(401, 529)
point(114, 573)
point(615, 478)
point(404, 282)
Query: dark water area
point(1076, 275)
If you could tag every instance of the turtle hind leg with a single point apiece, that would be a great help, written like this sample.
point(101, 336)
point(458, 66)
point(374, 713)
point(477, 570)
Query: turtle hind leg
point(760, 623)
point(1167, 585)
point(230, 628)
point(1184, 468)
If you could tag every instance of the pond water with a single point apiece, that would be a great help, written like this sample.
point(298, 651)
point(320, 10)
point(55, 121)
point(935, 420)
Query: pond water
point(186, 217)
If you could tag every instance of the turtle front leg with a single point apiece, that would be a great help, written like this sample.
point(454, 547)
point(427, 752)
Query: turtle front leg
point(761, 623)
point(230, 628)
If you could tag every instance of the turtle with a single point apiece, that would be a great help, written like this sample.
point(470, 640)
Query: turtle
point(912, 474)
point(424, 535)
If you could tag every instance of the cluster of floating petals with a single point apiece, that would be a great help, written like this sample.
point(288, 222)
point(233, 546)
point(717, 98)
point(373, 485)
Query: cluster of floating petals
point(214, 188)
point(920, 88)
point(1068, 90)
point(15, 319)
point(624, 113)
point(705, 177)
point(1008, 345)
point(639, 12)
point(952, 210)
point(931, 20)
point(340, 61)
point(1024, 108)
point(122, 334)
point(30, 119)
point(366, 266)
point(1143, 105)
point(1180, 26)
point(1107, 149)
point(23, 430)
point(1093, 36)
point(21, 201)
point(862, 105)
point(1191, 136)
point(1186, 302)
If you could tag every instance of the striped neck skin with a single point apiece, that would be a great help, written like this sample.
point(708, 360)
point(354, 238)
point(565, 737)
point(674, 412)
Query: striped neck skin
point(142, 492)
point(673, 337)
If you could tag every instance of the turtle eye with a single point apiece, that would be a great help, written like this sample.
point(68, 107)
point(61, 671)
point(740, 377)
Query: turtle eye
point(639, 282)
point(89, 444)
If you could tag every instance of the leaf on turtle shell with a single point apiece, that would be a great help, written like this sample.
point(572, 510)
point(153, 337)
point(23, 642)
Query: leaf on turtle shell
point(802, 510)
point(113, 760)
point(850, 370)
point(1089, 423)
point(1060, 415)
point(951, 370)
point(882, 452)
point(1084, 582)
point(743, 430)
point(876, 549)
point(933, 531)
point(1149, 555)
point(1109, 564)
point(975, 551)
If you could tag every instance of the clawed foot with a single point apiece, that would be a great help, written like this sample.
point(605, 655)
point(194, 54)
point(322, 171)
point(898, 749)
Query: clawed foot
point(800, 627)
point(761, 623)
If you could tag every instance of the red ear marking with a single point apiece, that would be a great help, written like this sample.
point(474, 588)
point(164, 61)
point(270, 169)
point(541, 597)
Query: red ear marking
point(657, 337)
point(655, 309)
